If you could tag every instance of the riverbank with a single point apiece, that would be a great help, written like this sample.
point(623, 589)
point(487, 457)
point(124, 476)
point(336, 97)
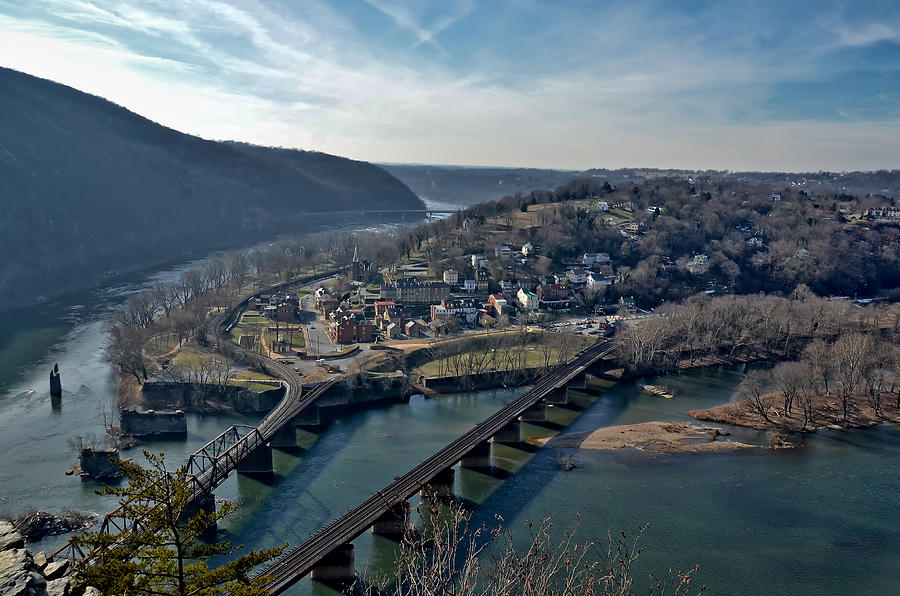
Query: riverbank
point(821, 412)
point(652, 437)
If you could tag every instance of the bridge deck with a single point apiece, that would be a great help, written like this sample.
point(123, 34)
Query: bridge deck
point(300, 560)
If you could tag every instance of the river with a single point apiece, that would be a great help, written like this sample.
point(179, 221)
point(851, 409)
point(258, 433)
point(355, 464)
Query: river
point(824, 518)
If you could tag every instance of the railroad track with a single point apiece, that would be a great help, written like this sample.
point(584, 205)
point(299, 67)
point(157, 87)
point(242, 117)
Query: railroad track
point(300, 560)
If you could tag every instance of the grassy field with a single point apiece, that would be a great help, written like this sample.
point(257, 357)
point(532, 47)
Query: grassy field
point(193, 355)
point(161, 344)
point(534, 357)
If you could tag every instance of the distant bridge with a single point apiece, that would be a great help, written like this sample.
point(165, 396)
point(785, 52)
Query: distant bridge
point(328, 554)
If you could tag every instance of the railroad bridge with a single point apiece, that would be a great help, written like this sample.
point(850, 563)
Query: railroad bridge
point(245, 449)
point(328, 553)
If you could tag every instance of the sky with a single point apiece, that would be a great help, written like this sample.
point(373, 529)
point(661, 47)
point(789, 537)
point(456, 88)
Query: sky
point(756, 85)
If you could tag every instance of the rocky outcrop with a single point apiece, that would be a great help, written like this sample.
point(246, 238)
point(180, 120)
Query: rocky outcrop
point(25, 574)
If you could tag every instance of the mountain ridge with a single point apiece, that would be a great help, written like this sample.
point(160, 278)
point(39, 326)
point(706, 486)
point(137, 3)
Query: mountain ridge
point(87, 186)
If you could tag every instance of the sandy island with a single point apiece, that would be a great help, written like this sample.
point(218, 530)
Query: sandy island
point(652, 437)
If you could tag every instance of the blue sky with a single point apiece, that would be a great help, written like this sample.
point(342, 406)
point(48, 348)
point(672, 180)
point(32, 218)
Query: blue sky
point(738, 85)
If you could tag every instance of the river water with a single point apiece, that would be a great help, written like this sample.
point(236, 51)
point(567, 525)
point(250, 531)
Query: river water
point(824, 518)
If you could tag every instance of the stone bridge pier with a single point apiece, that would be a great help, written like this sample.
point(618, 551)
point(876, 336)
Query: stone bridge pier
point(479, 458)
point(441, 486)
point(336, 569)
point(509, 434)
point(393, 523)
point(258, 464)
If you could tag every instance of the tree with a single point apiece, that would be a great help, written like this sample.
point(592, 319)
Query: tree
point(751, 391)
point(164, 556)
point(449, 557)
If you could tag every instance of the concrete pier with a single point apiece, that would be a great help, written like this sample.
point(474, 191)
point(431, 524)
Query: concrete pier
point(441, 486)
point(511, 433)
point(309, 418)
point(579, 381)
point(285, 439)
point(336, 569)
point(558, 397)
point(55, 382)
point(479, 458)
point(394, 523)
point(153, 423)
point(536, 413)
point(207, 504)
point(258, 463)
point(98, 463)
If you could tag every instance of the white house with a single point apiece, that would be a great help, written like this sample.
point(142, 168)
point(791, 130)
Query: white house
point(503, 252)
point(603, 206)
point(597, 281)
point(528, 300)
point(469, 286)
point(594, 258)
point(451, 277)
point(527, 249)
point(479, 261)
point(576, 276)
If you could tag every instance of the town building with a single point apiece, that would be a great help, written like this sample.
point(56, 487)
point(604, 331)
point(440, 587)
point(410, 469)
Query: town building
point(412, 291)
point(351, 327)
point(527, 249)
point(503, 252)
point(451, 276)
point(553, 297)
point(361, 271)
point(412, 329)
point(576, 277)
point(508, 288)
point(603, 206)
point(498, 303)
point(466, 309)
point(698, 265)
point(882, 213)
point(594, 258)
point(479, 261)
point(392, 331)
point(469, 286)
point(527, 299)
point(627, 304)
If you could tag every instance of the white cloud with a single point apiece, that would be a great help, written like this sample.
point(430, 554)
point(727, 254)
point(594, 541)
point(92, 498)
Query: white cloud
point(666, 97)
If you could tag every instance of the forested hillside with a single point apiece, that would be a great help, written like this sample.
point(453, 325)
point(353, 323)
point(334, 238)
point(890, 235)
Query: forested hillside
point(87, 187)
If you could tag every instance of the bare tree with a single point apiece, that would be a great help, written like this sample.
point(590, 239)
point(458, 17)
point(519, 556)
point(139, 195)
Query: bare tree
point(125, 350)
point(750, 392)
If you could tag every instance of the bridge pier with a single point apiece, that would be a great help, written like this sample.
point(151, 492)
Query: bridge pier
point(511, 433)
point(393, 523)
point(336, 569)
point(308, 418)
point(258, 463)
point(207, 504)
point(579, 381)
point(441, 486)
point(558, 396)
point(479, 458)
point(285, 439)
point(536, 413)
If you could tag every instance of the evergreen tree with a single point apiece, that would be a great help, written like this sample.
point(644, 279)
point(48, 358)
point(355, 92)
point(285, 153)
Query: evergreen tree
point(162, 553)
